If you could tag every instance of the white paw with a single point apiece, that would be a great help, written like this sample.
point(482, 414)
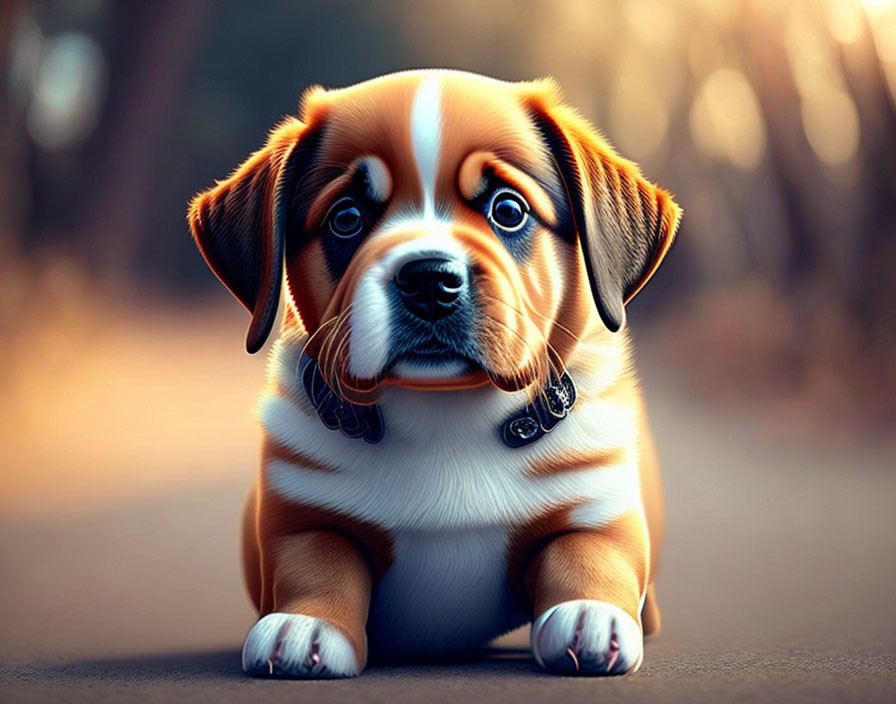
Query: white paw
point(293, 645)
point(587, 637)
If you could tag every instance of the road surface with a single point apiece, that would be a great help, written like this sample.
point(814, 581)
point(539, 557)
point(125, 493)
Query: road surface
point(777, 584)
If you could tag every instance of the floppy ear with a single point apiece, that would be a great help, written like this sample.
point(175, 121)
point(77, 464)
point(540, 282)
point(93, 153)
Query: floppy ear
point(625, 224)
point(240, 225)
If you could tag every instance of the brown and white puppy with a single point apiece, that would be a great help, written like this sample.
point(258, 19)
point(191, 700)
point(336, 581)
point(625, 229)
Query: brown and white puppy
point(457, 252)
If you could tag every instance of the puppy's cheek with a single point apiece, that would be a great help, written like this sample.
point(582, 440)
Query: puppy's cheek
point(369, 322)
point(509, 344)
point(510, 359)
point(309, 284)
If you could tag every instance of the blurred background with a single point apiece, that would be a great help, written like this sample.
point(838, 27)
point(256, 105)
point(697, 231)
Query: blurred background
point(123, 373)
point(774, 123)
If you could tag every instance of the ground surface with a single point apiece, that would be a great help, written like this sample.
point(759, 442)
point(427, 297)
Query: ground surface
point(776, 585)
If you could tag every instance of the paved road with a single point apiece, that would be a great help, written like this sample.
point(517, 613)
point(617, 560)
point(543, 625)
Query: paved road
point(777, 585)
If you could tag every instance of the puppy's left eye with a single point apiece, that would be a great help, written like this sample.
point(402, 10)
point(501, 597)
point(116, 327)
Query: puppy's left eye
point(508, 210)
point(345, 218)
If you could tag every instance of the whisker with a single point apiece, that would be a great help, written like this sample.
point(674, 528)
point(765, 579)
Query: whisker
point(327, 360)
point(533, 311)
point(332, 336)
point(320, 328)
point(560, 367)
point(553, 350)
point(541, 366)
point(340, 360)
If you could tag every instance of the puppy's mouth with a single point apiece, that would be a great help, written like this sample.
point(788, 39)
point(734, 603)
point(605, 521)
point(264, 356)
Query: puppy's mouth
point(431, 360)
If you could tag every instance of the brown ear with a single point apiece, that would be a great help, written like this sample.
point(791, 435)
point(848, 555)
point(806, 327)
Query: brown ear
point(240, 225)
point(625, 224)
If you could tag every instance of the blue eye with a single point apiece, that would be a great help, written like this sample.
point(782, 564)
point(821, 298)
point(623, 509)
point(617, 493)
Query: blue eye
point(508, 210)
point(345, 218)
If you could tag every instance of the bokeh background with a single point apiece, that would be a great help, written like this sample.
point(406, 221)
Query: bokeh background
point(773, 123)
point(123, 375)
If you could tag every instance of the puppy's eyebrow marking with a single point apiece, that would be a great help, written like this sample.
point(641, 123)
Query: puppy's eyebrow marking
point(472, 181)
point(378, 179)
point(425, 138)
point(377, 186)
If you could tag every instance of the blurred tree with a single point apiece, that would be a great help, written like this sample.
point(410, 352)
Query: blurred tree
point(774, 124)
point(151, 48)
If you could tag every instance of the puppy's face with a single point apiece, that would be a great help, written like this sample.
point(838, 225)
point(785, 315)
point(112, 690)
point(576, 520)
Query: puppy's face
point(437, 229)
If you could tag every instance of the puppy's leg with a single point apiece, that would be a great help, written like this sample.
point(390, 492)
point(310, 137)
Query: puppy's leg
point(587, 592)
point(316, 598)
point(251, 556)
point(650, 614)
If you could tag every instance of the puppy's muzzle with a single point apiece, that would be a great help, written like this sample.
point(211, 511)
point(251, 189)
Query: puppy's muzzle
point(432, 288)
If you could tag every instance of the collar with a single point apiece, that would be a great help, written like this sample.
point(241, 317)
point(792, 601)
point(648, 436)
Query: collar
point(356, 421)
point(542, 415)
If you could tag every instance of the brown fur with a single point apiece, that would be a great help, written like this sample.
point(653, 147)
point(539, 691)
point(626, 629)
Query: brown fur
point(608, 564)
point(321, 573)
point(639, 553)
point(575, 460)
point(307, 560)
point(322, 563)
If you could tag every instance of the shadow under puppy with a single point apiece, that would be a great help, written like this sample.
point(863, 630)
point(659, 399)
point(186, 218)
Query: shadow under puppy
point(455, 441)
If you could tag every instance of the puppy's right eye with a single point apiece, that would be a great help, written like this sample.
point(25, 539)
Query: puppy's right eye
point(508, 210)
point(345, 218)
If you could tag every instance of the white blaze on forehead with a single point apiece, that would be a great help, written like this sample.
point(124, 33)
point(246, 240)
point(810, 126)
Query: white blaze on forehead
point(425, 138)
point(370, 316)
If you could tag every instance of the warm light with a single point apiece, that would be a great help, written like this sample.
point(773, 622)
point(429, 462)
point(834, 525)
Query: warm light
point(579, 17)
point(885, 37)
point(722, 14)
point(844, 20)
point(829, 116)
point(639, 119)
point(831, 122)
point(652, 21)
point(726, 121)
point(878, 7)
point(811, 60)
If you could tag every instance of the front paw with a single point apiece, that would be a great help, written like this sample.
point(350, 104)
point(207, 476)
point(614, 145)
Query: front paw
point(587, 637)
point(293, 645)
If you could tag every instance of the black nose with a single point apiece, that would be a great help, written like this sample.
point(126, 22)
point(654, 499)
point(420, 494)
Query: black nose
point(430, 288)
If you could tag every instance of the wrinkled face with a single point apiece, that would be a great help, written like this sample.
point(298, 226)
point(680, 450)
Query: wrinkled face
point(430, 243)
point(438, 229)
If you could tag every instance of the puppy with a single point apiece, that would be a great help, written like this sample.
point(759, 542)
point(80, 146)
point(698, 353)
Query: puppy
point(455, 442)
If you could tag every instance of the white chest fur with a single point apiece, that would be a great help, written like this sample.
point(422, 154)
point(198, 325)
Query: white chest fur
point(446, 592)
point(447, 490)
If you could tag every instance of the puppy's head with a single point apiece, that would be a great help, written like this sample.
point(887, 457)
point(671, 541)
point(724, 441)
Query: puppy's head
point(436, 229)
